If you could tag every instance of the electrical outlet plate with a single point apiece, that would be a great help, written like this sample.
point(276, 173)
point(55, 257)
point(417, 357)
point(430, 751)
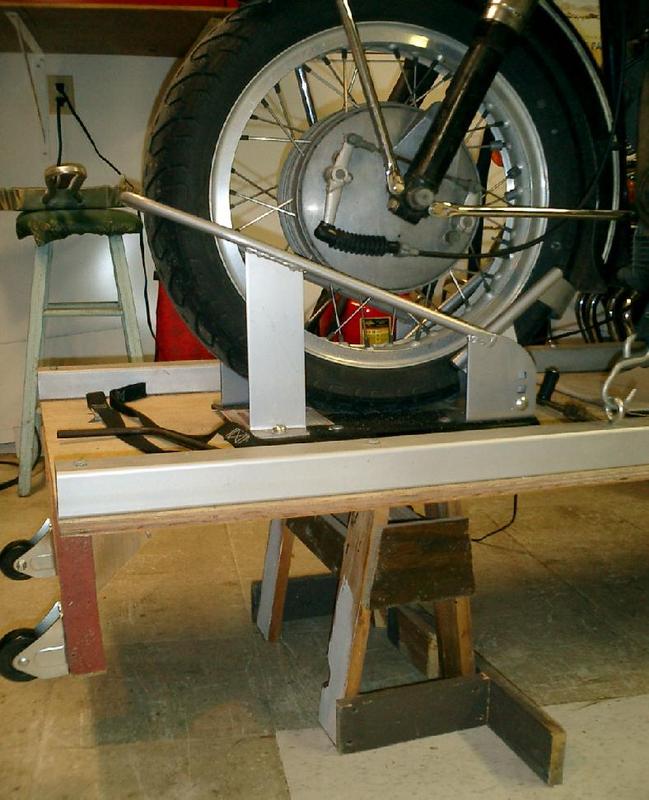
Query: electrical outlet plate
point(52, 93)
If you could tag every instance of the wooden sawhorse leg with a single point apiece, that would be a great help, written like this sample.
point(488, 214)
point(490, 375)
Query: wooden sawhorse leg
point(352, 615)
point(275, 580)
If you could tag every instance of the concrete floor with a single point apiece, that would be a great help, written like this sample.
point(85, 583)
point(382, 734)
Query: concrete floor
point(195, 705)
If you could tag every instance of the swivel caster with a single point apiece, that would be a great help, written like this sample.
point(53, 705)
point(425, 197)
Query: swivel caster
point(11, 646)
point(28, 653)
point(29, 558)
point(9, 555)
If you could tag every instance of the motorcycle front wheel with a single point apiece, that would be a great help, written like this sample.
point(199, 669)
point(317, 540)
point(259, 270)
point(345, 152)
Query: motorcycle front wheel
point(250, 126)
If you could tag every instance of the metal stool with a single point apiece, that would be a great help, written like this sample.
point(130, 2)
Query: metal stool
point(48, 226)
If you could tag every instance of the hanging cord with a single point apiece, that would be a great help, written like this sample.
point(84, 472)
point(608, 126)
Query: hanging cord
point(60, 88)
point(61, 101)
point(503, 527)
point(147, 305)
point(14, 481)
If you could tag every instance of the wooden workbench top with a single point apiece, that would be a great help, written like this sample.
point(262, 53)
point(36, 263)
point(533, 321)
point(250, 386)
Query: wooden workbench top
point(193, 413)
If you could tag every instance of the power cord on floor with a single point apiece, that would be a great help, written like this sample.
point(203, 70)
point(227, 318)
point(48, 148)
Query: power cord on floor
point(14, 481)
point(502, 528)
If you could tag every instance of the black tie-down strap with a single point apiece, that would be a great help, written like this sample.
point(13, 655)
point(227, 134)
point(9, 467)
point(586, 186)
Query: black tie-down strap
point(110, 413)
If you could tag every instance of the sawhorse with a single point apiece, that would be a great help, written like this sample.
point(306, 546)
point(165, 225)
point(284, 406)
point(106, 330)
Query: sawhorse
point(384, 559)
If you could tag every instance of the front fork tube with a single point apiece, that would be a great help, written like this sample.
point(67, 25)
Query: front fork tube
point(498, 29)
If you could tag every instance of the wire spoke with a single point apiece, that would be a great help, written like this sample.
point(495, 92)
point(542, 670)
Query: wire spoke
point(282, 105)
point(345, 95)
point(269, 191)
point(338, 91)
point(420, 326)
point(404, 76)
point(282, 139)
point(286, 130)
point(272, 210)
point(259, 118)
point(349, 318)
point(256, 201)
point(334, 302)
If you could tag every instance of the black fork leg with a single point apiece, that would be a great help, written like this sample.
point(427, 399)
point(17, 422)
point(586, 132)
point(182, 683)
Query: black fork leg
point(499, 28)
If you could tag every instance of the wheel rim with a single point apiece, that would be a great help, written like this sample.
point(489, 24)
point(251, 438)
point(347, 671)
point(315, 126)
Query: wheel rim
point(269, 122)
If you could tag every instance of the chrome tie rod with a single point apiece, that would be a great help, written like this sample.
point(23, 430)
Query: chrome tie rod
point(455, 210)
point(325, 276)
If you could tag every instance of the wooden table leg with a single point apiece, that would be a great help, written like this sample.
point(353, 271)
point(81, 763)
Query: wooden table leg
point(275, 580)
point(75, 566)
point(352, 615)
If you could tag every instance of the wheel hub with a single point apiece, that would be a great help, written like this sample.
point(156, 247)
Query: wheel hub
point(363, 206)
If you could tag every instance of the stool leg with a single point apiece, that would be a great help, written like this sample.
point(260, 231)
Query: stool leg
point(125, 295)
point(40, 281)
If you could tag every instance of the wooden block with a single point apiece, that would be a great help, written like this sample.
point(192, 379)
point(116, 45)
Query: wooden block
point(423, 560)
point(402, 713)
point(306, 596)
point(531, 733)
point(412, 630)
point(443, 510)
point(454, 637)
point(324, 536)
point(419, 559)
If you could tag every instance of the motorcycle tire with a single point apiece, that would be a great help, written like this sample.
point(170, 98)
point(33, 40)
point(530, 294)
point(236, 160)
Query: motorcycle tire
point(233, 129)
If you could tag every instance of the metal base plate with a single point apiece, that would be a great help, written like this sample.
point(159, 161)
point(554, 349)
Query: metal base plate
point(433, 417)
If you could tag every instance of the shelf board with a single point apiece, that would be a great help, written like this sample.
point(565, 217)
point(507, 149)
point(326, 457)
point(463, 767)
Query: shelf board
point(131, 28)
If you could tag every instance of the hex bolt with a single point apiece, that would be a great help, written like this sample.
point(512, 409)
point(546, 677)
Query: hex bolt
point(522, 403)
point(21, 565)
point(421, 197)
point(279, 428)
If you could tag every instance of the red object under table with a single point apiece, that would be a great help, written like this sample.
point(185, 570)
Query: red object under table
point(174, 340)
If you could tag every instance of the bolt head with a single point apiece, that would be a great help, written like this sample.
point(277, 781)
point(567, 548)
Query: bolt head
point(421, 197)
point(23, 661)
point(522, 403)
point(279, 428)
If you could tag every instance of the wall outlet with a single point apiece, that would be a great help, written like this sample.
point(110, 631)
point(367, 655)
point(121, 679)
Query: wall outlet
point(52, 92)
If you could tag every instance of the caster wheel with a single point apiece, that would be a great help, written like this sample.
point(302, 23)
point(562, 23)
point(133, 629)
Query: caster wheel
point(11, 645)
point(8, 556)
